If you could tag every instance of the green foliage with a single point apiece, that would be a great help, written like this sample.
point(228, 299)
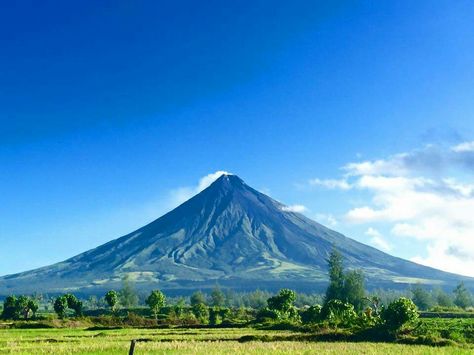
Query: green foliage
point(19, 307)
point(201, 312)
point(312, 314)
point(218, 314)
point(266, 315)
point(353, 289)
point(443, 299)
point(336, 277)
point(179, 307)
point(283, 301)
point(462, 297)
point(283, 305)
point(33, 306)
point(10, 308)
point(65, 302)
point(156, 300)
point(399, 313)
point(338, 313)
point(127, 295)
point(217, 297)
point(60, 306)
point(421, 298)
point(74, 304)
point(197, 298)
point(348, 287)
point(112, 298)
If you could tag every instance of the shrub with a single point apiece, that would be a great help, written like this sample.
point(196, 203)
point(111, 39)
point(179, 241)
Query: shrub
point(283, 305)
point(399, 313)
point(266, 314)
point(311, 315)
point(201, 312)
point(337, 313)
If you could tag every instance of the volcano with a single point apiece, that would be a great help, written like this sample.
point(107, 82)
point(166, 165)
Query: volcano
point(229, 234)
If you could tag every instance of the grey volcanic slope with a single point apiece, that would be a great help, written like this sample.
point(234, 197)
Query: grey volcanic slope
point(230, 234)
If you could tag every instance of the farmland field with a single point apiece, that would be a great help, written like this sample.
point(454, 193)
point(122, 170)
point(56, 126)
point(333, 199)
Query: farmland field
point(192, 341)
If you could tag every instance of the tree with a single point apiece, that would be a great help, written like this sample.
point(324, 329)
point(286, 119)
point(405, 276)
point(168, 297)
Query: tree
point(179, 307)
point(19, 307)
point(462, 297)
point(443, 299)
point(60, 306)
point(347, 287)
point(353, 289)
point(421, 298)
point(127, 295)
point(74, 304)
point(399, 312)
point(197, 298)
point(111, 298)
point(10, 309)
point(336, 277)
point(217, 297)
point(33, 306)
point(201, 312)
point(156, 300)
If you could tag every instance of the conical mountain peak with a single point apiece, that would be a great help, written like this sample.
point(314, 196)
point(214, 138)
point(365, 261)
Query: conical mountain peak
point(229, 180)
point(228, 233)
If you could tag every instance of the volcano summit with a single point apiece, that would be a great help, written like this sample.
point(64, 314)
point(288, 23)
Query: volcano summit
point(229, 234)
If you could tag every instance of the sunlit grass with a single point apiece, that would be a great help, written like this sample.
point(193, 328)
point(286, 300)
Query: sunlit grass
point(188, 341)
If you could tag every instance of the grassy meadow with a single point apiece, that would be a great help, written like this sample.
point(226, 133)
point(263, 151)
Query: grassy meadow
point(97, 340)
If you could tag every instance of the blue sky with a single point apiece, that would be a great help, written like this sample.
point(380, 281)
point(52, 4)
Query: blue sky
point(110, 111)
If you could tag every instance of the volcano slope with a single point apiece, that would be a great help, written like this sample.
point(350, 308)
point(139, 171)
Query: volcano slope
point(229, 234)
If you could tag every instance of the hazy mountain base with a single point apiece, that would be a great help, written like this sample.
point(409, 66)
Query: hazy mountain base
point(228, 234)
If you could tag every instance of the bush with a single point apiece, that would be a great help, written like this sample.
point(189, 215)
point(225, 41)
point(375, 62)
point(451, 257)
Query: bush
point(311, 315)
point(268, 315)
point(201, 312)
point(399, 313)
point(339, 313)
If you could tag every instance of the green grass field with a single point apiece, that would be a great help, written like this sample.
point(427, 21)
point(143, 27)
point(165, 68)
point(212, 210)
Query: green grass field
point(192, 341)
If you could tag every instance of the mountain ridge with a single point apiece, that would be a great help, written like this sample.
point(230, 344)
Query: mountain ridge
point(228, 233)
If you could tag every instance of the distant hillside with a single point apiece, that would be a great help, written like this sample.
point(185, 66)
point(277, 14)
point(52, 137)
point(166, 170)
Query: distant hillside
point(229, 234)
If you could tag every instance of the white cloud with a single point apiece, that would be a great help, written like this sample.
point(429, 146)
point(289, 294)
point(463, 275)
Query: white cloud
point(182, 194)
point(420, 195)
point(377, 240)
point(331, 183)
point(463, 147)
point(294, 208)
point(326, 219)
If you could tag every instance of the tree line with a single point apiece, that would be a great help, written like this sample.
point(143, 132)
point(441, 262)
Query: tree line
point(345, 298)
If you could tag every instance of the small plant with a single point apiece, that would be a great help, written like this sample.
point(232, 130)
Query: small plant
point(399, 313)
point(338, 313)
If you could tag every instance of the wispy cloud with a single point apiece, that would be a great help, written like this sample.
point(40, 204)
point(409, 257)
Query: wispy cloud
point(423, 194)
point(377, 240)
point(331, 183)
point(464, 147)
point(326, 219)
point(294, 208)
